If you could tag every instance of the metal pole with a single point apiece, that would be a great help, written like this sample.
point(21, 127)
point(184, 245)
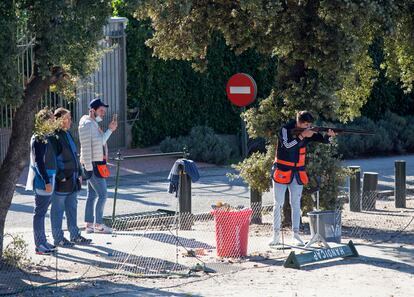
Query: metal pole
point(355, 189)
point(184, 198)
point(317, 211)
point(244, 135)
point(400, 184)
point(172, 154)
point(255, 196)
point(118, 163)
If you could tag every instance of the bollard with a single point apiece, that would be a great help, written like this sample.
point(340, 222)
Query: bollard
point(400, 184)
point(256, 206)
point(184, 198)
point(355, 189)
point(369, 190)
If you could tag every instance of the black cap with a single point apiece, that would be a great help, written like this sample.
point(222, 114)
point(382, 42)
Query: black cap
point(96, 103)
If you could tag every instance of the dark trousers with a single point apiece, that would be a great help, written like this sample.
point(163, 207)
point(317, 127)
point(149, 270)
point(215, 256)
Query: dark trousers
point(41, 205)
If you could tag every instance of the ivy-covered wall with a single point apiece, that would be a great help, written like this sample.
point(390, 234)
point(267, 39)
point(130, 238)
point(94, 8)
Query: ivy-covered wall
point(172, 97)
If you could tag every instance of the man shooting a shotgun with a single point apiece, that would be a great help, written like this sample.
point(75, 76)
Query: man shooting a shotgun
point(288, 171)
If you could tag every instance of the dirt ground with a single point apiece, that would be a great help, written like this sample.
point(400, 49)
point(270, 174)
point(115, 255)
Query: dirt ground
point(384, 239)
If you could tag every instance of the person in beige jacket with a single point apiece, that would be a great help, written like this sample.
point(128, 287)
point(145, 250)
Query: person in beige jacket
point(93, 156)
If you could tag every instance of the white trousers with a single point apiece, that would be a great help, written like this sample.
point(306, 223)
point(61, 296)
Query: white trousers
point(295, 191)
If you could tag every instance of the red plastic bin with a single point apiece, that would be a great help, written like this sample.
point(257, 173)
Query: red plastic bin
point(232, 232)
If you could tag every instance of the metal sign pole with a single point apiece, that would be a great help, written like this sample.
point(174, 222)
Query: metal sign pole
point(317, 237)
point(244, 135)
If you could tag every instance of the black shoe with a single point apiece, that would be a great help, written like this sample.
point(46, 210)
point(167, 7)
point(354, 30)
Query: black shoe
point(64, 243)
point(81, 240)
point(51, 246)
point(43, 250)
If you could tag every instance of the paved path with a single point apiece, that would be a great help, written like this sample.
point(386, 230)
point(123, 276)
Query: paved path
point(385, 169)
point(147, 188)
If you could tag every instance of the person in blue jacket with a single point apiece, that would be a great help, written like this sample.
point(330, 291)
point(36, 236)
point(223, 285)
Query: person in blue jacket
point(41, 176)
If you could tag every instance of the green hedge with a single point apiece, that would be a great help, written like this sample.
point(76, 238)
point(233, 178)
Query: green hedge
point(393, 135)
point(172, 98)
point(202, 144)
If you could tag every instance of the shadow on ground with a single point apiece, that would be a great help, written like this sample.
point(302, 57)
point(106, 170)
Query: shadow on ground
point(100, 287)
point(375, 235)
point(13, 280)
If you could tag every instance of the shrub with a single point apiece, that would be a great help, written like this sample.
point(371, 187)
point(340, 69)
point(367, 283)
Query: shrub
point(172, 97)
point(172, 144)
point(393, 135)
point(202, 144)
point(408, 135)
point(256, 169)
point(323, 161)
point(395, 126)
point(15, 253)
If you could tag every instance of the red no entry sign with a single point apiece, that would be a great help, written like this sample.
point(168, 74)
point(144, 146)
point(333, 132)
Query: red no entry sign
point(241, 89)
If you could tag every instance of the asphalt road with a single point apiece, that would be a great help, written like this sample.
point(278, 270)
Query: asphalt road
point(138, 193)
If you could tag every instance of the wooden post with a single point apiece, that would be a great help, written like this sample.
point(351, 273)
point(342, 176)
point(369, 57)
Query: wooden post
point(256, 206)
point(369, 190)
point(355, 189)
point(400, 184)
point(184, 198)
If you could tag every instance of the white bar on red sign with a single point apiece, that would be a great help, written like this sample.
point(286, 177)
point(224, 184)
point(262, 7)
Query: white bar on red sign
point(239, 90)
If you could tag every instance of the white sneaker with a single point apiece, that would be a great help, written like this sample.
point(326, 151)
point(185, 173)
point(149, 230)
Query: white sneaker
point(89, 228)
point(275, 241)
point(297, 240)
point(101, 228)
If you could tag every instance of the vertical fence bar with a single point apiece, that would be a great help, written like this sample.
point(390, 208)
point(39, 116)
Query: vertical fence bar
point(400, 184)
point(123, 81)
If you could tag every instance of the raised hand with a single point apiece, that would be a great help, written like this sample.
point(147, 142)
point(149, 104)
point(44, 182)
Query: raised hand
point(113, 125)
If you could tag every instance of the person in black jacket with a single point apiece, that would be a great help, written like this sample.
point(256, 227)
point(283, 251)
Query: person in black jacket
point(41, 176)
point(68, 183)
point(288, 171)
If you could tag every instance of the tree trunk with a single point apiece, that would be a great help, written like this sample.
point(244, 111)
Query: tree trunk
point(17, 153)
point(287, 211)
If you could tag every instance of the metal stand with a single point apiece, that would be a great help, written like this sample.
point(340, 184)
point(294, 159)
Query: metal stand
point(317, 237)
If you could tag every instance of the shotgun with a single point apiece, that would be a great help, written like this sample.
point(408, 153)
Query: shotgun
point(336, 130)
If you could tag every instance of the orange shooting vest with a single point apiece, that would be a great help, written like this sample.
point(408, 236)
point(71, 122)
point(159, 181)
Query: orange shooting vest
point(284, 173)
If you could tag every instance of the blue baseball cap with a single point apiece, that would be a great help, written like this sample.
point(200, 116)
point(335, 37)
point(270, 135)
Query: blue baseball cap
point(96, 103)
